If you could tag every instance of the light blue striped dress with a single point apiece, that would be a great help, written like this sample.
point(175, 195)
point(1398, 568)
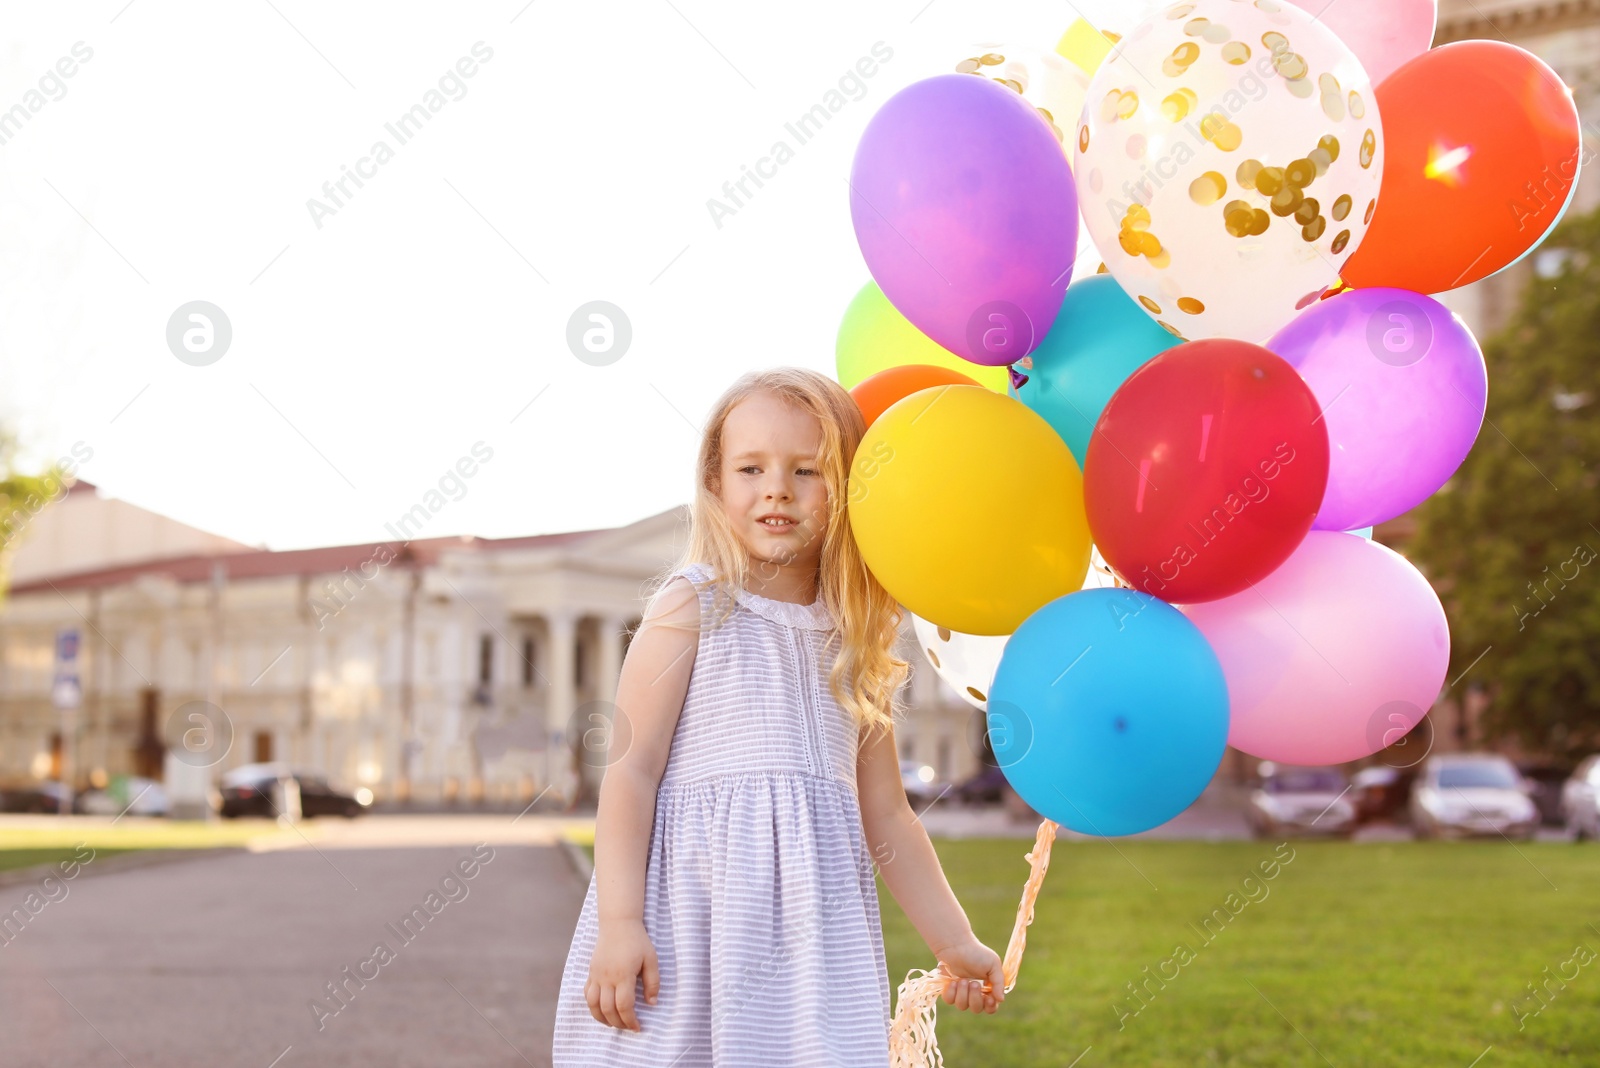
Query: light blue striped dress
point(760, 896)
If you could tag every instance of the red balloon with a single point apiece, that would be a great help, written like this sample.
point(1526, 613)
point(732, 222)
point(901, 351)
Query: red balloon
point(1481, 147)
point(1205, 470)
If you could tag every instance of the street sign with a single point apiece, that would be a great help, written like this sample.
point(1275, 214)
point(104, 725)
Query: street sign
point(66, 693)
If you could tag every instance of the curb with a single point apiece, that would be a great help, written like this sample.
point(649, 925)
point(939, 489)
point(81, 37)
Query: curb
point(112, 864)
point(582, 866)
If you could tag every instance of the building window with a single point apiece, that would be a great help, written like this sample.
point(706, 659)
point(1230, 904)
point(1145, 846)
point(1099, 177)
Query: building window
point(485, 658)
point(528, 671)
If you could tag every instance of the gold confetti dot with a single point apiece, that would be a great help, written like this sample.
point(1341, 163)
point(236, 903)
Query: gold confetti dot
point(1369, 148)
point(1269, 180)
point(1321, 160)
point(1330, 145)
point(1102, 269)
point(1333, 105)
point(1340, 242)
point(1128, 105)
point(1300, 173)
point(1291, 65)
point(1300, 87)
point(1313, 230)
point(1246, 174)
point(1175, 107)
point(1216, 33)
point(1259, 223)
point(1236, 52)
point(1161, 260)
point(1216, 128)
point(1268, 6)
point(1307, 212)
point(1083, 138)
point(1108, 106)
point(1275, 42)
point(1169, 328)
point(1287, 201)
point(1358, 108)
point(1151, 306)
point(1190, 306)
point(1196, 27)
point(1236, 216)
point(1372, 205)
point(1328, 83)
point(1137, 217)
point(1341, 207)
point(991, 59)
point(1180, 11)
point(967, 66)
point(1012, 84)
point(1208, 188)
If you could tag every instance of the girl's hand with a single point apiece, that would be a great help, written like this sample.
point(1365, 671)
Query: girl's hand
point(975, 966)
point(621, 952)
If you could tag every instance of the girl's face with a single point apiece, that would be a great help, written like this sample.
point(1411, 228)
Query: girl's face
point(770, 454)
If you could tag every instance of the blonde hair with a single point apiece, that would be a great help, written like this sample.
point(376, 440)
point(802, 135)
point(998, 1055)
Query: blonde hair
point(866, 675)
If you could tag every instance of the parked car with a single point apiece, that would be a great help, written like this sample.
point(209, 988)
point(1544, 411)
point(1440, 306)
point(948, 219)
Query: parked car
point(1472, 793)
point(259, 790)
point(1580, 800)
point(45, 795)
point(1548, 781)
point(128, 794)
point(1293, 799)
point(984, 788)
point(1381, 792)
point(922, 784)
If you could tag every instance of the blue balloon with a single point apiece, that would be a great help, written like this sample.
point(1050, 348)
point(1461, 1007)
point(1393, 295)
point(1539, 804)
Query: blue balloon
point(1100, 337)
point(1109, 711)
point(1364, 532)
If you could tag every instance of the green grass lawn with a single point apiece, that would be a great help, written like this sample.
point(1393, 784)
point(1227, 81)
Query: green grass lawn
point(1377, 953)
point(22, 847)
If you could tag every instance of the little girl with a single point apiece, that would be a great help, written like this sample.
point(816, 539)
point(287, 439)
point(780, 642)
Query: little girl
point(753, 788)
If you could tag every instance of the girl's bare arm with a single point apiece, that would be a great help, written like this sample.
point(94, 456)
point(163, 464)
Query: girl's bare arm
point(650, 695)
point(911, 870)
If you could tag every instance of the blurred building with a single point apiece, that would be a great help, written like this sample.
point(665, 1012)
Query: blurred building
point(1566, 35)
point(443, 670)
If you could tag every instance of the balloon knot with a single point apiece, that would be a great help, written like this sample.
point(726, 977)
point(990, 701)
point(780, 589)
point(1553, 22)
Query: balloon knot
point(1018, 379)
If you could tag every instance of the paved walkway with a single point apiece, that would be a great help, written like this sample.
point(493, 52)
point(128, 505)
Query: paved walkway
point(216, 960)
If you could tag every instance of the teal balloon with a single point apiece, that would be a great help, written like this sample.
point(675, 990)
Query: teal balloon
point(1364, 532)
point(1109, 711)
point(1100, 337)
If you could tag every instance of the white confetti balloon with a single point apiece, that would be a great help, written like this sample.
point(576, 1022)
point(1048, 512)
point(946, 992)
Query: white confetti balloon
point(968, 662)
point(1227, 162)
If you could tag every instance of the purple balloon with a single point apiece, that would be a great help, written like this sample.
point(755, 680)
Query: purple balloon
point(1402, 385)
point(967, 216)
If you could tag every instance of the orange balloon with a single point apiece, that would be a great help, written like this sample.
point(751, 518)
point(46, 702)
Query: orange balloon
point(874, 394)
point(1481, 146)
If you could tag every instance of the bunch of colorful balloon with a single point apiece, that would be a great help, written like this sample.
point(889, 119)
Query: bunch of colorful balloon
point(1258, 373)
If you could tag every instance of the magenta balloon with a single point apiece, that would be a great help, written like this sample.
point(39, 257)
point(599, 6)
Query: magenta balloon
point(967, 216)
point(1402, 385)
point(1332, 657)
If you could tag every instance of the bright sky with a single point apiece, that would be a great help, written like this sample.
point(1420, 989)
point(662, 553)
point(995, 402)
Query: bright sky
point(429, 312)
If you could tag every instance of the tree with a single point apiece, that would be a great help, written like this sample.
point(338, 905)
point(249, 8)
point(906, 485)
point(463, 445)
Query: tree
point(1512, 541)
point(22, 497)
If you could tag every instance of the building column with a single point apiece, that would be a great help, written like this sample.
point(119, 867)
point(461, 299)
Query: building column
point(560, 702)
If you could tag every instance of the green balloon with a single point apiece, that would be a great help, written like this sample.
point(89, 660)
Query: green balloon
point(875, 337)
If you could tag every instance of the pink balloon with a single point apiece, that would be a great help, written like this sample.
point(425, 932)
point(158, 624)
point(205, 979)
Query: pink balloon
point(1382, 33)
point(1332, 657)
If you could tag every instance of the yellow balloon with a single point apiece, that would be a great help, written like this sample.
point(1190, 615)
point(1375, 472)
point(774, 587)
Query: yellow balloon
point(968, 507)
point(874, 337)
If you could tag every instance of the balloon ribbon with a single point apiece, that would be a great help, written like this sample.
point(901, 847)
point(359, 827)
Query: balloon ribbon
point(912, 1043)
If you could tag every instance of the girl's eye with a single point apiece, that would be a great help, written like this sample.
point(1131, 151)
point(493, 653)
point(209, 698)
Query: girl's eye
point(807, 471)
